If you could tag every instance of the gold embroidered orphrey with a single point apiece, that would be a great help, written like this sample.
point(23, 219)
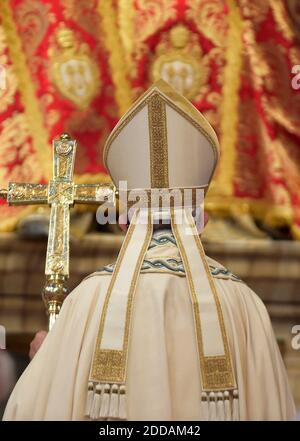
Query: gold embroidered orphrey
point(60, 193)
point(110, 365)
point(73, 70)
point(216, 370)
point(178, 61)
point(158, 142)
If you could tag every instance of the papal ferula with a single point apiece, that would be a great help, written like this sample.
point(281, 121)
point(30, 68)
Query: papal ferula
point(166, 333)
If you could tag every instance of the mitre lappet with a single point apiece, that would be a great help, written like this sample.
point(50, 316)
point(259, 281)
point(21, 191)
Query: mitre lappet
point(162, 144)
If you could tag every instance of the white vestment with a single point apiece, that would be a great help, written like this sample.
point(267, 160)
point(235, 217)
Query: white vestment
point(163, 380)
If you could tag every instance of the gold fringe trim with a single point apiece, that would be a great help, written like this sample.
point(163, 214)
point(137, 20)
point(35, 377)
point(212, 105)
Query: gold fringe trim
point(220, 406)
point(230, 101)
point(116, 55)
point(27, 91)
point(106, 401)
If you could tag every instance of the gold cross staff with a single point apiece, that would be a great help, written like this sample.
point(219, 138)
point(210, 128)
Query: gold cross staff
point(60, 193)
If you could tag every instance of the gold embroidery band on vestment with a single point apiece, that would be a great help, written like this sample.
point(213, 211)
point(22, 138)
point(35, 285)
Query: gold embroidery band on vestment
point(216, 370)
point(158, 142)
point(109, 364)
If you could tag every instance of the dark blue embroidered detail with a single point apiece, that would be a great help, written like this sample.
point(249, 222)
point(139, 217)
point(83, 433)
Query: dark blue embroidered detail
point(225, 272)
point(108, 268)
point(171, 264)
point(176, 266)
point(162, 240)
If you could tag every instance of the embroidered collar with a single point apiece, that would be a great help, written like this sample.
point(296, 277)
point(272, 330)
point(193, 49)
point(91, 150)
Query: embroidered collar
point(163, 257)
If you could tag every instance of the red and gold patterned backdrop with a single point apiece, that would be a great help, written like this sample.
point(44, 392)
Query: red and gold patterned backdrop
point(58, 78)
point(76, 66)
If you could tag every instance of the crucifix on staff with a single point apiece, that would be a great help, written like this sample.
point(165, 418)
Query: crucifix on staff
point(60, 193)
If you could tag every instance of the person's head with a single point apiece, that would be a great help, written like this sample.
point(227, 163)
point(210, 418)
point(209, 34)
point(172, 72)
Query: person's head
point(162, 144)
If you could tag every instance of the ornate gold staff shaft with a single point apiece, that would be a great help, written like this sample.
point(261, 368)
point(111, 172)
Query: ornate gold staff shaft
point(60, 194)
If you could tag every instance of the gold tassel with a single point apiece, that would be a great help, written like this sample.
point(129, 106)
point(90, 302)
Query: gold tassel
point(122, 403)
point(104, 408)
point(227, 406)
point(204, 407)
point(212, 407)
point(220, 407)
point(235, 406)
point(96, 404)
point(114, 402)
point(89, 399)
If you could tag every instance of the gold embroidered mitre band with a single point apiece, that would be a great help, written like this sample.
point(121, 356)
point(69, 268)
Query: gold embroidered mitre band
point(162, 143)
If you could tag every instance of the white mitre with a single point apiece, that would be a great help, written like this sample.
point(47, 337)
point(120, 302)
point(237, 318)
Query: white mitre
point(162, 142)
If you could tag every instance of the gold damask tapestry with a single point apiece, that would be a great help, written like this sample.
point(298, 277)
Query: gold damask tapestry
point(233, 60)
point(76, 66)
point(56, 76)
